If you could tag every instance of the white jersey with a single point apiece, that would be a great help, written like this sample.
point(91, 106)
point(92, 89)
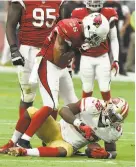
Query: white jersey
point(90, 113)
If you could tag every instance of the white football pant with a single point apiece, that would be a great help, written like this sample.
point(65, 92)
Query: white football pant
point(28, 91)
point(99, 67)
point(58, 83)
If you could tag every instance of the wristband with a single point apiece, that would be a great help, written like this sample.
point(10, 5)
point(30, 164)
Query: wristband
point(13, 48)
point(77, 122)
point(110, 155)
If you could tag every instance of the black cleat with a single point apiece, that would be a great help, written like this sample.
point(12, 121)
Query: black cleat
point(23, 143)
point(44, 144)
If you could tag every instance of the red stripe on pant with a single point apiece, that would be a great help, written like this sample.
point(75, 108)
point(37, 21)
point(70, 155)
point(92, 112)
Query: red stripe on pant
point(42, 71)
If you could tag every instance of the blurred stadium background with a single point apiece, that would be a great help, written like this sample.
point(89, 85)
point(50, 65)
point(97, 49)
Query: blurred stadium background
point(123, 85)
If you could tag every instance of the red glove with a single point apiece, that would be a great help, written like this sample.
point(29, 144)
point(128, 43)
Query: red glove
point(86, 130)
point(115, 66)
point(100, 153)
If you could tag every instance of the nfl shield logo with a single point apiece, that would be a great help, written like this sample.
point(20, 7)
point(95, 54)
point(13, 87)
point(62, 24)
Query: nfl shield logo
point(43, 1)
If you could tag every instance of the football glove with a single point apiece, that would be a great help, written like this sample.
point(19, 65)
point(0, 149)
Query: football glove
point(17, 58)
point(99, 153)
point(87, 131)
point(84, 129)
point(115, 66)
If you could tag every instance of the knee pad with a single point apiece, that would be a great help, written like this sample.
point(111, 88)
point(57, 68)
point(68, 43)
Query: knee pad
point(87, 87)
point(28, 93)
point(28, 97)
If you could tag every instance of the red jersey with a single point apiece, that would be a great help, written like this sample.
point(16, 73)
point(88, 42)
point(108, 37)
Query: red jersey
point(110, 14)
point(70, 30)
point(37, 21)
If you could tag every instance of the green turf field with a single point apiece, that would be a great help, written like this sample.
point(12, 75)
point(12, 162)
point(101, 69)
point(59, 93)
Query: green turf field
point(9, 100)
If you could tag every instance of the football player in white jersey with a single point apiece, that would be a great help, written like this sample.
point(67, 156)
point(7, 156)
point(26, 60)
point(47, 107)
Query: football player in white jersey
point(84, 122)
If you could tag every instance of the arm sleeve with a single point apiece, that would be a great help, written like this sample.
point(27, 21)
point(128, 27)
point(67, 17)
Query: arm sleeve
point(14, 15)
point(114, 43)
point(64, 11)
point(120, 13)
point(19, 1)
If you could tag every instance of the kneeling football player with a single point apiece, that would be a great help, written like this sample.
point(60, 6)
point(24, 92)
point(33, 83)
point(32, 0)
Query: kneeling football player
point(84, 123)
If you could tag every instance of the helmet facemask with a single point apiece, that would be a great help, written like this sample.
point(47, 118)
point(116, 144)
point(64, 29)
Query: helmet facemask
point(114, 117)
point(95, 40)
point(117, 113)
point(94, 5)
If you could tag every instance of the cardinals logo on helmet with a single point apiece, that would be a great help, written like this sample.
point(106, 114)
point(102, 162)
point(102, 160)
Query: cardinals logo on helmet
point(97, 21)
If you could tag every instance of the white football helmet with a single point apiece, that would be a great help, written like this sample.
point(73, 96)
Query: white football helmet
point(118, 112)
point(94, 5)
point(96, 29)
point(121, 107)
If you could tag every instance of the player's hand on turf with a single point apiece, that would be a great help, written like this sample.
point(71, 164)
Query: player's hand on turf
point(99, 153)
point(17, 58)
point(115, 65)
point(87, 131)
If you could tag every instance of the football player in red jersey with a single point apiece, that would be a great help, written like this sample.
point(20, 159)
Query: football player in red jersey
point(95, 61)
point(37, 19)
point(56, 54)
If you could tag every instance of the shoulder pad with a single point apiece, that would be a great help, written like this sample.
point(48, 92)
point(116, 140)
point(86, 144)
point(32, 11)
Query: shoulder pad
point(79, 13)
point(110, 13)
point(89, 105)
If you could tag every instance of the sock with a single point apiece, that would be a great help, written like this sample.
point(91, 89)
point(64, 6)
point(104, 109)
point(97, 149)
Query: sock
point(84, 94)
point(23, 123)
point(54, 114)
point(33, 152)
point(23, 106)
point(16, 136)
point(21, 111)
point(106, 95)
point(48, 151)
point(37, 120)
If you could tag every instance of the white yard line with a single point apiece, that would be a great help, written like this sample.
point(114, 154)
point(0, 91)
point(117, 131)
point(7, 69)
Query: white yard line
point(67, 161)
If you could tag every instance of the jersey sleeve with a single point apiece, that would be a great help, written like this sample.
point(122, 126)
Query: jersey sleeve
point(78, 13)
point(110, 14)
point(69, 30)
point(115, 133)
point(19, 1)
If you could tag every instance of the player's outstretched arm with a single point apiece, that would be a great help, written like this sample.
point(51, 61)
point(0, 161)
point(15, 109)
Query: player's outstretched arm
point(114, 47)
point(14, 15)
point(68, 112)
point(111, 149)
point(94, 150)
